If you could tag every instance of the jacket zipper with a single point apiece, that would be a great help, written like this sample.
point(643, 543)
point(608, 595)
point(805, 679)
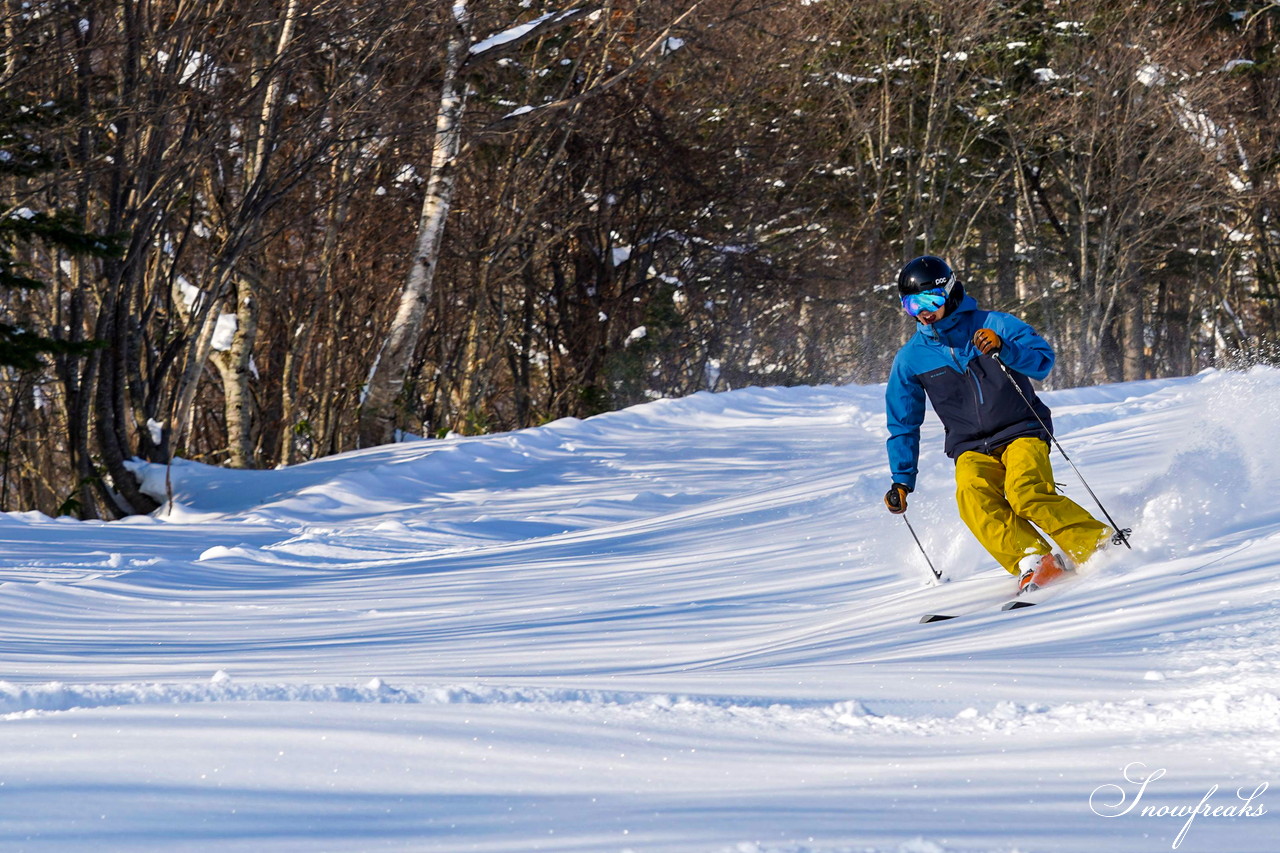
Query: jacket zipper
point(978, 397)
point(977, 386)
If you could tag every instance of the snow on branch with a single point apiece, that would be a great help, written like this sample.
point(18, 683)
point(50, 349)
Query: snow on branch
point(509, 39)
point(663, 45)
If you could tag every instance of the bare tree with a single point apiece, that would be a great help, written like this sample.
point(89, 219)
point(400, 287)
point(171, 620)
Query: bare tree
point(1119, 154)
point(387, 376)
point(641, 199)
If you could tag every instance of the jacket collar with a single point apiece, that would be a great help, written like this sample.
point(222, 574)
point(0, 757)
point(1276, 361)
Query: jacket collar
point(941, 331)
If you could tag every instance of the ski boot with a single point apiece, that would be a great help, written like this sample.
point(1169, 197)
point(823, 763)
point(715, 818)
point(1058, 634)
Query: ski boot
point(1046, 569)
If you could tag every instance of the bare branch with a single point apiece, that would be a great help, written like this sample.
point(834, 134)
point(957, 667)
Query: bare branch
point(655, 47)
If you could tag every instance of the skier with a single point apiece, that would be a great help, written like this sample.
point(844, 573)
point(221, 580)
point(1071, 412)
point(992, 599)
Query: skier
point(1004, 482)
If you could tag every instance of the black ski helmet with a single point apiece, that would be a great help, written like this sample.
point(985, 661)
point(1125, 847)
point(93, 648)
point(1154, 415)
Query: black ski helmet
point(927, 272)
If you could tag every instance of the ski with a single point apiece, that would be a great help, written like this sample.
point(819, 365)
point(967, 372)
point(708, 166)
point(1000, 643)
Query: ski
point(1016, 604)
point(1029, 599)
point(937, 617)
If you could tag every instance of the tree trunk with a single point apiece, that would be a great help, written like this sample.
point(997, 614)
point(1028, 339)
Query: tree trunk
point(386, 380)
point(1135, 363)
point(238, 393)
point(1006, 240)
point(236, 369)
point(203, 319)
point(112, 406)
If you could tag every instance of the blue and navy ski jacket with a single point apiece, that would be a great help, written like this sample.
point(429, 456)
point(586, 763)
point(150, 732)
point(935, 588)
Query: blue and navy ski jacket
point(977, 404)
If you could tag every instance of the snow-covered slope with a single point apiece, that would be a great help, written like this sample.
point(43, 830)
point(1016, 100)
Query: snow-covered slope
point(686, 626)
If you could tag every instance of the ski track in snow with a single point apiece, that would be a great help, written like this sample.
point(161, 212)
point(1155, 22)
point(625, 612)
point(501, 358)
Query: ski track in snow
point(713, 571)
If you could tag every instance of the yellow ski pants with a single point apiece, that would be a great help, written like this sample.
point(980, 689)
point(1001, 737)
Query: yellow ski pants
point(1004, 497)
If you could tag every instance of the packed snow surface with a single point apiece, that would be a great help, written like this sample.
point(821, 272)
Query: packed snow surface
point(688, 626)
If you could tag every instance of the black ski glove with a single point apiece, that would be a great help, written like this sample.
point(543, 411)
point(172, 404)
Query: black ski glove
point(896, 498)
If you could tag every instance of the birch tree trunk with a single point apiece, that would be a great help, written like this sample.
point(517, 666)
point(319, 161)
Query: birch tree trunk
point(237, 373)
point(236, 369)
point(386, 380)
point(390, 369)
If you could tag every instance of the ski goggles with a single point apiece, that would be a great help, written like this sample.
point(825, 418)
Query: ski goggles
point(925, 300)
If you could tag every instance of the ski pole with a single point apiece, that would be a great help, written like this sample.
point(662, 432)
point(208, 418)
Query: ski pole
point(937, 575)
point(1121, 534)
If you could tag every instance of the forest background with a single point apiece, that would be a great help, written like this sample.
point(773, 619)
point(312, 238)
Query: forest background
point(256, 232)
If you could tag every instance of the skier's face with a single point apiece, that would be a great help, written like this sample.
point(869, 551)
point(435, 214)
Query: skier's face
point(931, 317)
